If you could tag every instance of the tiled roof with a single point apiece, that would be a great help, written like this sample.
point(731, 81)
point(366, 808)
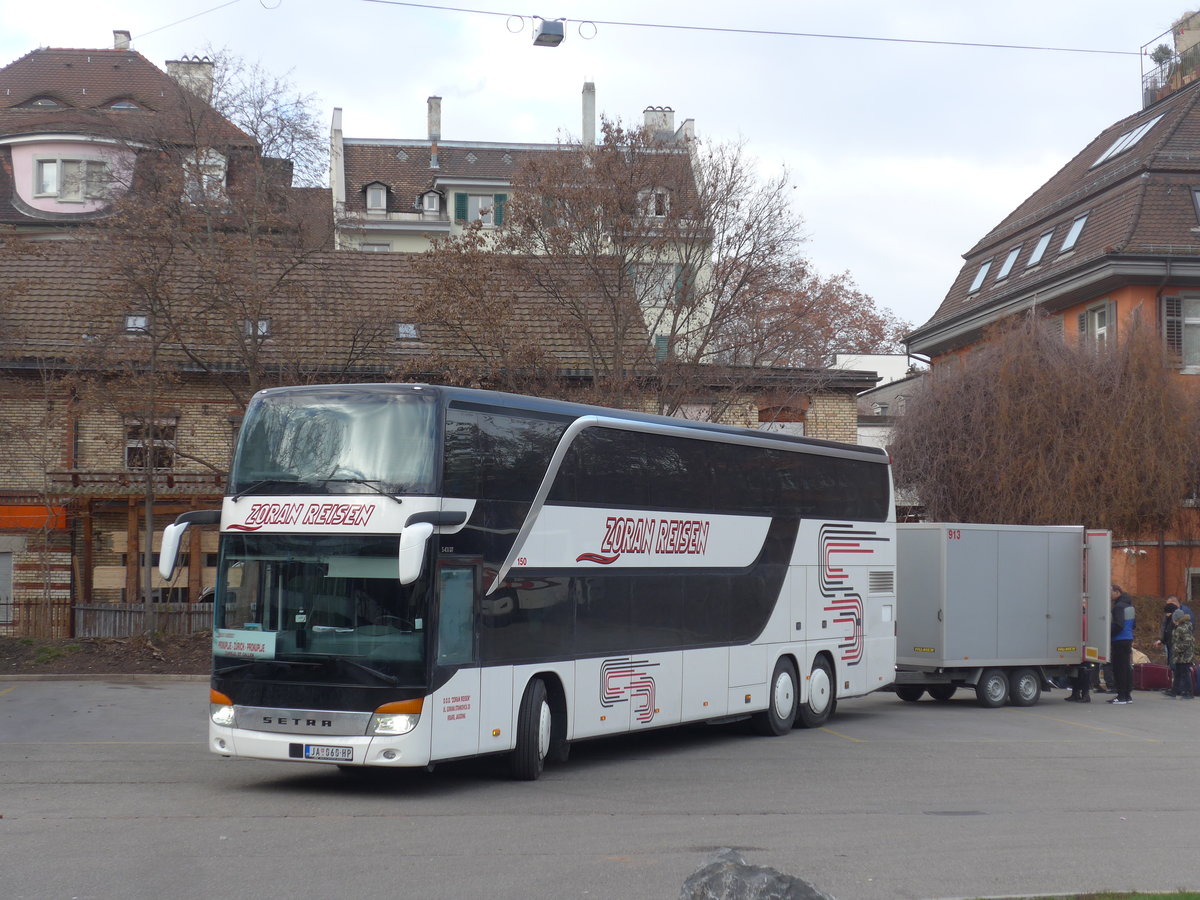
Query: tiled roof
point(332, 300)
point(86, 82)
point(405, 167)
point(1138, 202)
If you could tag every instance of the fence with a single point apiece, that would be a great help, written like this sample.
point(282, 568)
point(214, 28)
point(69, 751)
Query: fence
point(125, 619)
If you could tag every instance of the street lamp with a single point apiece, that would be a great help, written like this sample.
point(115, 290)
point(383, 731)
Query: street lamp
point(548, 32)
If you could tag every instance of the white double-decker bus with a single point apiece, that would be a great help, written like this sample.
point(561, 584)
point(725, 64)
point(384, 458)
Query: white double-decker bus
point(412, 573)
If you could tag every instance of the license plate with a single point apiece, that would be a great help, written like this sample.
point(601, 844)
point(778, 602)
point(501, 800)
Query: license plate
point(335, 754)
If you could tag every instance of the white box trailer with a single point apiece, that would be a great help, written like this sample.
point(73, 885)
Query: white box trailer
point(999, 608)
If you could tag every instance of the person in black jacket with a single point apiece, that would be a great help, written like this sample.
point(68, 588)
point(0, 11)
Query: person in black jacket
point(1121, 641)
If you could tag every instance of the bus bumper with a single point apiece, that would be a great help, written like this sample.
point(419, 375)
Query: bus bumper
point(360, 750)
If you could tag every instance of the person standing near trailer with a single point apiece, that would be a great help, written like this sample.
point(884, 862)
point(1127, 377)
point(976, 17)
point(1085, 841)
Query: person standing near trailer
point(1121, 629)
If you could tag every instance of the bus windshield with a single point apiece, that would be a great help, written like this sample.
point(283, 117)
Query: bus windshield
point(313, 597)
point(337, 440)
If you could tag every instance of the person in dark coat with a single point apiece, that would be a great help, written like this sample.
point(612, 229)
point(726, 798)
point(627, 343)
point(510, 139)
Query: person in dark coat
point(1164, 638)
point(1121, 640)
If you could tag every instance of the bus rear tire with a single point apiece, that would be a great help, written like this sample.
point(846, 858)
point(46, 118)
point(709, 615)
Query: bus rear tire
point(780, 714)
point(822, 695)
point(535, 722)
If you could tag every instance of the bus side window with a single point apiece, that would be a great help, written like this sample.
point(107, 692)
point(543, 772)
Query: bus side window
point(456, 617)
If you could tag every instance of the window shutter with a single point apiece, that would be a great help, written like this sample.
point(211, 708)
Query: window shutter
point(498, 202)
point(1172, 324)
point(662, 347)
point(1082, 326)
point(460, 207)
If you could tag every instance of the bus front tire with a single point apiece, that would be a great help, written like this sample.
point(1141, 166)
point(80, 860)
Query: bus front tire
point(822, 695)
point(780, 714)
point(535, 722)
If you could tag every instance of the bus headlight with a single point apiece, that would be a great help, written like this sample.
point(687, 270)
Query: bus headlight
point(400, 717)
point(220, 709)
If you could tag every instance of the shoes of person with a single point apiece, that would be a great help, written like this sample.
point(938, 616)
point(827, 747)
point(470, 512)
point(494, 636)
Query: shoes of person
point(1074, 698)
point(1117, 701)
point(1187, 696)
point(1086, 698)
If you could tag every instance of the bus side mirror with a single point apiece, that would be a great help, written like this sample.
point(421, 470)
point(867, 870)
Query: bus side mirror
point(168, 553)
point(412, 550)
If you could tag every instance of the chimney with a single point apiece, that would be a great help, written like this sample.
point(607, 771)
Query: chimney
point(589, 114)
point(660, 121)
point(120, 40)
point(435, 118)
point(195, 73)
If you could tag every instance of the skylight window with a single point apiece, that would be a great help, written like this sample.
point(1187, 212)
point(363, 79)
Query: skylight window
point(1039, 249)
point(1009, 262)
point(1127, 140)
point(1073, 234)
point(979, 276)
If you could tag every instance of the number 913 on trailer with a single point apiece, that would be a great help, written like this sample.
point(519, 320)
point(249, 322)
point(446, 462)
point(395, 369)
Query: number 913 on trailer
point(413, 573)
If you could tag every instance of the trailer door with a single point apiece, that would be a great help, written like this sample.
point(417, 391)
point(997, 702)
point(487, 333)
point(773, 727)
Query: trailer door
point(1097, 578)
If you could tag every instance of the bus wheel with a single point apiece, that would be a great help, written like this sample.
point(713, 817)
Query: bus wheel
point(942, 692)
point(780, 714)
point(992, 689)
point(822, 695)
point(1024, 687)
point(534, 725)
point(910, 693)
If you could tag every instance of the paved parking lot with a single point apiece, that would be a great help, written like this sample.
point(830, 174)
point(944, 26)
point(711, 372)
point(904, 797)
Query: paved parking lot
point(107, 791)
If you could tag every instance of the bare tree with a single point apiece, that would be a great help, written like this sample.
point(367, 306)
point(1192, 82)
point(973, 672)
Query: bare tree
point(1032, 430)
point(672, 270)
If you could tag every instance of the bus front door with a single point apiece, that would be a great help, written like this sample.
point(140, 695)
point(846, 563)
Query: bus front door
point(456, 705)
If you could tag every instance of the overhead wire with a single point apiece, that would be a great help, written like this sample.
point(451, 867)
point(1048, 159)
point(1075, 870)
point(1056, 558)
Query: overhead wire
point(772, 32)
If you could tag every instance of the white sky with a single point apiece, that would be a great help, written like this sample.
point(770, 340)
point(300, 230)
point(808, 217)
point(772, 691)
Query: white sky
point(901, 154)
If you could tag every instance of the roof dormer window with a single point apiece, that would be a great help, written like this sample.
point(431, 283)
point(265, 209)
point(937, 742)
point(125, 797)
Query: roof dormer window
point(1073, 235)
point(1127, 140)
point(431, 202)
point(123, 104)
point(655, 202)
point(1009, 262)
point(43, 103)
point(1039, 249)
point(377, 197)
point(979, 276)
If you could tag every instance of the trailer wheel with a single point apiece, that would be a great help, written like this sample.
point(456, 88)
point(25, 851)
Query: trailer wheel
point(910, 693)
point(992, 689)
point(780, 714)
point(822, 695)
point(942, 692)
point(534, 725)
point(1024, 687)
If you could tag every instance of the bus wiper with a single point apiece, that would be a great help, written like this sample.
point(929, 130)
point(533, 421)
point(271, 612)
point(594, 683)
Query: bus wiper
point(261, 484)
point(373, 484)
point(286, 663)
point(382, 676)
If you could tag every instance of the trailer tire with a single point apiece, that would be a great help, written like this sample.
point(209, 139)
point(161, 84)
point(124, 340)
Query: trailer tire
point(780, 714)
point(822, 695)
point(1024, 687)
point(942, 692)
point(535, 724)
point(910, 693)
point(992, 689)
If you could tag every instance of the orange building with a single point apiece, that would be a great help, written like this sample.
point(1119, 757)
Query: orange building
point(1114, 235)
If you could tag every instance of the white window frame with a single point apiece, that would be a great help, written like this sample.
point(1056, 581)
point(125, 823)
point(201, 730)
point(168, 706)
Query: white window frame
point(1039, 249)
point(481, 207)
point(655, 202)
point(74, 180)
point(204, 176)
point(1009, 261)
point(407, 331)
point(137, 323)
point(377, 197)
point(369, 247)
point(1096, 324)
point(980, 275)
point(431, 202)
point(1072, 237)
point(258, 328)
